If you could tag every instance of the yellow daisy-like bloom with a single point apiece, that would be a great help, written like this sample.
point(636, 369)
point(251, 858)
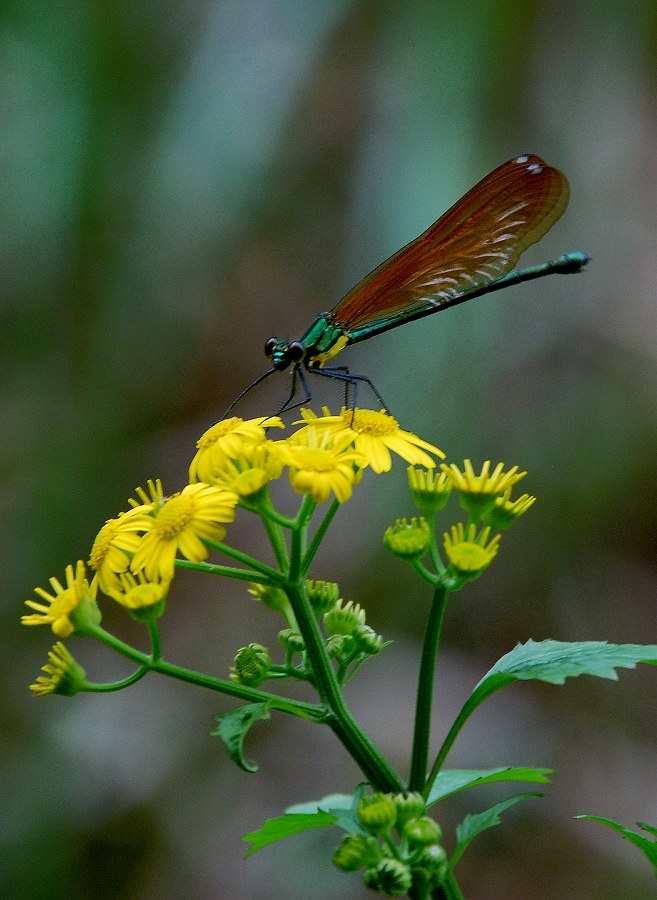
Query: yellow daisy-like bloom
point(468, 553)
point(227, 439)
point(63, 674)
point(477, 493)
point(182, 523)
point(115, 544)
point(63, 603)
point(151, 501)
point(505, 511)
point(321, 464)
point(138, 592)
point(495, 482)
point(430, 490)
point(249, 472)
point(375, 434)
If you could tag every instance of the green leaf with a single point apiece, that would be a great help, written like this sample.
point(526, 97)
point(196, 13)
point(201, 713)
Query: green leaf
point(648, 847)
point(551, 661)
point(342, 806)
point(331, 801)
point(449, 781)
point(232, 729)
point(473, 825)
point(284, 826)
point(554, 661)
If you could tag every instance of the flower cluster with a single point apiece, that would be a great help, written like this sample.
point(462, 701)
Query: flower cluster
point(326, 638)
point(396, 862)
point(134, 555)
point(486, 498)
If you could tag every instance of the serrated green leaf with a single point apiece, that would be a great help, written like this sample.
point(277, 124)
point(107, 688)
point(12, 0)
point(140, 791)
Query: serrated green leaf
point(284, 826)
point(449, 781)
point(232, 729)
point(474, 824)
point(331, 801)
point(648, 847)
point(554, 661)
point(342, 806)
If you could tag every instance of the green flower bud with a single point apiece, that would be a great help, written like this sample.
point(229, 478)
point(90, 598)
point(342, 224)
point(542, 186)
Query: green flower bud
point(251, 665)
point(377, 814)
point(410, 805)
point(273, 597)
point(422, 832)
point(323, 595)
point(339, 645)
point(367, 640)
point(355, 851)
point(63, 675)
point(430, 867)
point(344, 617)
point(408, 540)
point(291, 640)
point(393, 877)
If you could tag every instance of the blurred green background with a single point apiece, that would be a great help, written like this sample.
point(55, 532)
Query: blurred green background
point(178, 182)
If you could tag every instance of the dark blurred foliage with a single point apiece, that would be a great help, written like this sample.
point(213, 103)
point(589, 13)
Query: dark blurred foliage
point(179, 182)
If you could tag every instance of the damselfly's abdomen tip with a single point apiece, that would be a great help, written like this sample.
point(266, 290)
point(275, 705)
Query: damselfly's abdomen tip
point(570, 263)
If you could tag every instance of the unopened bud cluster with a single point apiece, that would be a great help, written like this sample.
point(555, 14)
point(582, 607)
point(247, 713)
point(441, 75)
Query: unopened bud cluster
point(399, 847)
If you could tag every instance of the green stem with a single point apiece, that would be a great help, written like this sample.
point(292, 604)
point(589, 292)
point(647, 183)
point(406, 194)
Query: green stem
point(277, 542)
point(372, 763)
point(303, 516)
point(426, 574)
point(319, 536)
point(265, 510)
point(96, 688)
point(483, 691)
point(242, 558)
point(433, 547)
point(422, 730)
point(309, 711)
point(229, 572)
point(156, 645)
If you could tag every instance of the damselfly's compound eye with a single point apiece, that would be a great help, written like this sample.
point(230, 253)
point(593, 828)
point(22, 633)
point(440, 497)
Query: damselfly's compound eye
point(296, 351)
point(270, 346)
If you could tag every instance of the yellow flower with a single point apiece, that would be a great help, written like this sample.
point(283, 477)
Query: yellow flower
point(114, 545)
point(138, 592)
point(148, 502)
point(408, 540)
point(477, 493)
point(63, 674)
point(182, 523)
point(248, 473)
point(375, 434)
point(506, 511)
point(430, 490)
point(227, 438)
point(467, 552)
point(78, 597)
point(320, 465)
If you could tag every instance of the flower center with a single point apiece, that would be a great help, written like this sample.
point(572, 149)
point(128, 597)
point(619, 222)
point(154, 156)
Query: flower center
point(317, 460)
point(174, 517)
point(368, 421)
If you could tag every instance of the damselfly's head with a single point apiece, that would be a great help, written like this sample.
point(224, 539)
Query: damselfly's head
point(284, 353)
